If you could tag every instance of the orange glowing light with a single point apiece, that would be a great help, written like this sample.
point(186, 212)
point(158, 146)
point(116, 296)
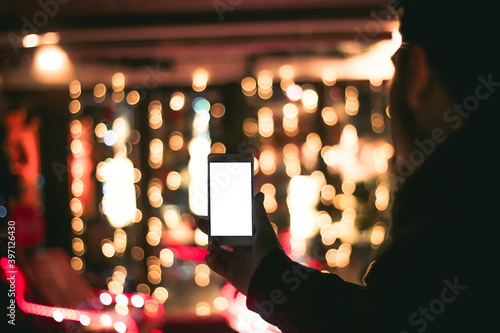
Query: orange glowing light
point(218, 148)
point(118, 81)
point(76, 263)
point(77, 187)
point(202, 279)
point(74, 106)
point(250, 127)
point(99, 90)
point(173, 180)
point(218, 110)
point(75, 128)
point(176, 141)
point(348, 187)
point(75, 89)
point(177, 101)
point(202, 309)
point(328, 192)
point(287, 71)
point(329, 116)
point(290, 110)
point(76, 207)
point(248, 86)
point(329, 76)
point(267, 162)
point(160, 294)
point(133, 97)
point(200, 79)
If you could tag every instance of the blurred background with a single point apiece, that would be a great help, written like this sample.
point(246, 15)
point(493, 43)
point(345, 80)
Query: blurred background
point(108, 110)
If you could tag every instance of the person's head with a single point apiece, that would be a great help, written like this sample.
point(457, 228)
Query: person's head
point(448, 46)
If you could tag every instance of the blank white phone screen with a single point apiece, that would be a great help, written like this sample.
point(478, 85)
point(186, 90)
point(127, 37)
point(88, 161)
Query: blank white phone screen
point(230, 198)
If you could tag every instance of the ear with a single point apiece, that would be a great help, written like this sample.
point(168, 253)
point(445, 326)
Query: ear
point(420, 77)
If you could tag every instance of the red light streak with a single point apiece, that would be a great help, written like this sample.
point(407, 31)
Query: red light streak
point(184, 252)
point(67, 313)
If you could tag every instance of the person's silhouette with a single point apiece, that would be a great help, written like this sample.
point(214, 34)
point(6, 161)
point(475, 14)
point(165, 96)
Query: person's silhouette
point(436, 274)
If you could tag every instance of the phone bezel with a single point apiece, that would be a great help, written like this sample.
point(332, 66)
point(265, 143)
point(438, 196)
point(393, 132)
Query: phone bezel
point(221, 158)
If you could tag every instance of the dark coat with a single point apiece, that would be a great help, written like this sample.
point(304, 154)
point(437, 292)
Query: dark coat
point(436, 275)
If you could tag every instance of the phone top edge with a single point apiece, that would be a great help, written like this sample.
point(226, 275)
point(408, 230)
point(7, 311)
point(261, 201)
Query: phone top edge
point(231, 157)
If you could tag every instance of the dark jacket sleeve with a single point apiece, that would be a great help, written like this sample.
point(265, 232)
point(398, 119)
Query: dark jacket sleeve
point(420, 283)
point(297, 298)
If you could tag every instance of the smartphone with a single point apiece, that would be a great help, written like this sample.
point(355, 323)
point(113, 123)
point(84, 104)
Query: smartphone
point(230, 197)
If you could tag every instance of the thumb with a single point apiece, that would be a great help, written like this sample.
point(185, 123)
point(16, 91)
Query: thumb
point(261, 222)
point(265, 240)
point(259, 212)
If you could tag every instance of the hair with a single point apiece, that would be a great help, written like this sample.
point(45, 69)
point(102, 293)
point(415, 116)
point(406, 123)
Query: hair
point(459, 38)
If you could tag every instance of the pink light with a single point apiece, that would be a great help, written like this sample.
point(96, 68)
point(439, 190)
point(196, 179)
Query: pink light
point(237, 301)
point(193, 253)
point(67, 314)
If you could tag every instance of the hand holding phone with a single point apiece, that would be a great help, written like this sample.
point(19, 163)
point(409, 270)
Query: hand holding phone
point(236, 219)
point(238, 264)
